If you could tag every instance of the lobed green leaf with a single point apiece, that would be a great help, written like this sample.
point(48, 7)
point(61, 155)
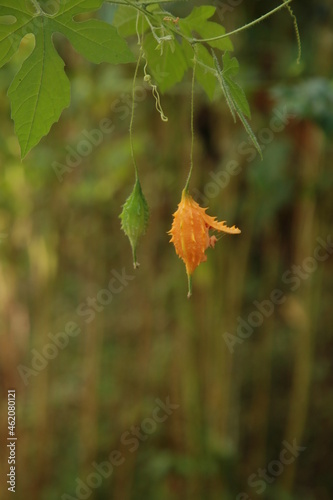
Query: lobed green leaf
point(40, 90)
point(197, 22)
point(34, 93)
point(234, 94)
point(167, 63)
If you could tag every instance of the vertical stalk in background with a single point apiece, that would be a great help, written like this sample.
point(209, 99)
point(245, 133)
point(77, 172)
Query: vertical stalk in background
point(299, 310)
point(90, 367)
point(261, 355)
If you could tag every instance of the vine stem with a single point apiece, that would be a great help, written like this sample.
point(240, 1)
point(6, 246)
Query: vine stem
point(285, 3)
point(132, 115)
point(192, 125)
point(246, 26)
point(298, 38)
point(137, 7)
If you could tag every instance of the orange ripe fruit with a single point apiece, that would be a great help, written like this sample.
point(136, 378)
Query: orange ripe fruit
point(190, 233)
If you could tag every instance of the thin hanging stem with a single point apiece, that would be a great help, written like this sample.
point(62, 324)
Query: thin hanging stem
point(189, 283)
point(192, 124)
point(132, 115)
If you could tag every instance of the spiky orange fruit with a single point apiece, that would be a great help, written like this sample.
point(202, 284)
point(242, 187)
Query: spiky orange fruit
point(190, 233)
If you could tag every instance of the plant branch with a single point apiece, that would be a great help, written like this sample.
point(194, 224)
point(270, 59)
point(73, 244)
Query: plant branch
point(246, 26)
point(137, 7)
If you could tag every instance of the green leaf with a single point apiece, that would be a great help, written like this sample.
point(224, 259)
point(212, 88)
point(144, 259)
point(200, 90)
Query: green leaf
point(200, 14)
point(234, 94)
point(10, 34)
point(125, 21)
point(95, 40)
point(167, 63)
point(205, 78)
point(230, 66)
point(37, 101)
point(40, 90)
point(205, 68)
point(197, 22)
point(230, 69)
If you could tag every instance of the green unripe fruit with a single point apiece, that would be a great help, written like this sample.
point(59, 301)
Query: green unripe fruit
point(134, 217)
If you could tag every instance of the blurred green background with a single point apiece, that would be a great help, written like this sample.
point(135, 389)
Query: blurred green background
point(233, 408)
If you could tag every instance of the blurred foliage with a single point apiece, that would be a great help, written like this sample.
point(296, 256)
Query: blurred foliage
point(61, 243)
point(311, 99)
